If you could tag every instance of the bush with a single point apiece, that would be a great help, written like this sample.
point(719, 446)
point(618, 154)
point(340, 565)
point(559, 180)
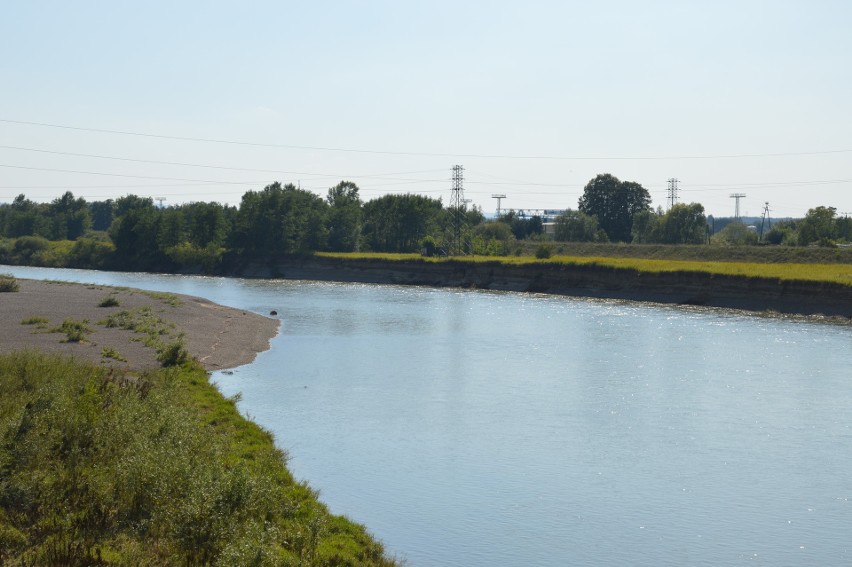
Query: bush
point(173, 354)
point(543, 252)
point(75, 331)
point(8, 283)
point(104, 469)
point(109, 301)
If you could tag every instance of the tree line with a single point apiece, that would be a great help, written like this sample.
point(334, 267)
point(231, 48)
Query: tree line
point(132, 232)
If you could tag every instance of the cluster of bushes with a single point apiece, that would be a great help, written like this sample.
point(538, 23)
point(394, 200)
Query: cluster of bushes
point(107, 469)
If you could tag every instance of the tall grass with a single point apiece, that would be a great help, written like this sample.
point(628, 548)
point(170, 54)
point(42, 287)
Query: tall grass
point(158, 469)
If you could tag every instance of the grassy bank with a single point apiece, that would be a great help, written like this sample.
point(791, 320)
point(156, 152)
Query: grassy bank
point(834, 273)
point(103, 468)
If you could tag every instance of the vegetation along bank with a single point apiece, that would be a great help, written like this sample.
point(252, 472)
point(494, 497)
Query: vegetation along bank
point(115, 449)
point(285, 231)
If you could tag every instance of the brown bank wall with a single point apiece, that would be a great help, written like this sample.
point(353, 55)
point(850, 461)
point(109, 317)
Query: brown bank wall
point(688, 288)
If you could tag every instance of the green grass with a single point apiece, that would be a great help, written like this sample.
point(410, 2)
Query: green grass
point(103, 468)
point(40, 323)
point(110, 352)
point(155, 332)
point(833, 273)
point(75, 331)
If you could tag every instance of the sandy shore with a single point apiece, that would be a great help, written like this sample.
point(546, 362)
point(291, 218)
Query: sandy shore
point(219, 337)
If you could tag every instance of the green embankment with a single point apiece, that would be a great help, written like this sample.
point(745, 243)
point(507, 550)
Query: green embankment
point(832, 272)
point(159, 469)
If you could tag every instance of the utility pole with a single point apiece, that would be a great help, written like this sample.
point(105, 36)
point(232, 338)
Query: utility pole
point(672, 198)
point(456, 203)
point(499, 197)
point(160, 200)
point(765, 218)
point(737, 196)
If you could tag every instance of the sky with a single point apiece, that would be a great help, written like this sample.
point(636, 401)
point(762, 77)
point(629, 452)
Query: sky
point(203, 101)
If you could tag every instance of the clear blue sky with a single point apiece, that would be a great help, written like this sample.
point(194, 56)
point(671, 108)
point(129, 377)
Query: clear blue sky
point(533, 98)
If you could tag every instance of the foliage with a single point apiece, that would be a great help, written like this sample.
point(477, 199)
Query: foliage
point(102, 468)
point(543, 251)
point(818, 227)
point(614, 203)
point(428, 246)
point(8, 283)
point(398, 223)
point(110, 352)
point(681, 224)
point(574, 226)
point(344, 217)
point(75, 331)
point(109, 301)
point(280, 220)
point(39, 322)
point(735, 234)
point(191, 256)
point(521, 225)
point(173, 353)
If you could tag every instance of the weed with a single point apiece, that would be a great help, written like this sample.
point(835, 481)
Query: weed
point(173, 353)
point(39, 322)
point(543, 252)
point(8, 283)
point(110, 352)
point(109, 301)
point(75, 331)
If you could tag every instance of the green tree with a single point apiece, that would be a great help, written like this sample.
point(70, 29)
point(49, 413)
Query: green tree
point(818, 226)
point(69, 217)
point(398, 223)
point(135, 231)
point(735, 234)
point(682, 224)
point(101, 213)
point(574, 226)
point(25, 218)
point(281, 220)
point(207, 224)
point(344, 217)
point(614, 203)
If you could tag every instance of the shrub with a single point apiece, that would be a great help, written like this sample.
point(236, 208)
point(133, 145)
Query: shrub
point(109, 301)
point(543, 252)
point(173, 354)
point(8, 283)
point(75, 331)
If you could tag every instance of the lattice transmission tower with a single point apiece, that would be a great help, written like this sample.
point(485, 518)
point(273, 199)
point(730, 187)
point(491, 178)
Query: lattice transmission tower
point(457, 203)
point(672, 198)
point(737, 197)
point(765, 219)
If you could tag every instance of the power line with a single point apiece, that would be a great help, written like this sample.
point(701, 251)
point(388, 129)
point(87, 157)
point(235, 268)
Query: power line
point(207, 166)
point(412, 153)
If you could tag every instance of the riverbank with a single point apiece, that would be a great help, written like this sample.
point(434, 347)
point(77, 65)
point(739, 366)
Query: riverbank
point(111, 460)
point(120, 322)
point(685, 287)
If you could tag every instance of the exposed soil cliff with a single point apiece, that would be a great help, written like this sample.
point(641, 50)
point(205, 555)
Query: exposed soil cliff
point(689, 288)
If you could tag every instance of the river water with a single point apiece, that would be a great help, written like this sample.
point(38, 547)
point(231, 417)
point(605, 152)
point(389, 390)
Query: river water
point(475, 428)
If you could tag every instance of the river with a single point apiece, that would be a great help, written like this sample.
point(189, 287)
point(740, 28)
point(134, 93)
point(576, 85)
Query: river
point(479, 428)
